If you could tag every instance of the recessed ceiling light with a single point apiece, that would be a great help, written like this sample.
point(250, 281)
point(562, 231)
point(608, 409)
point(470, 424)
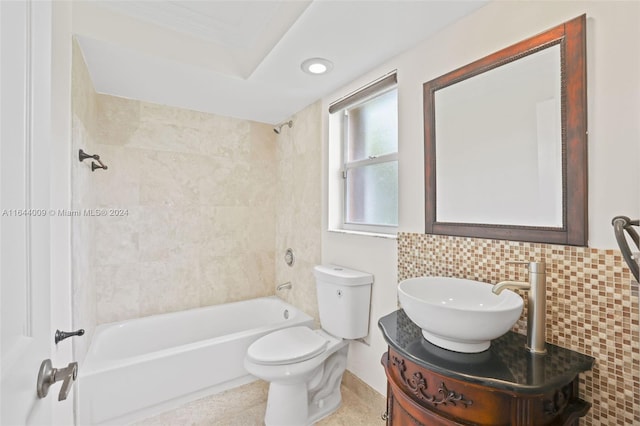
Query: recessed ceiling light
point(316, 66)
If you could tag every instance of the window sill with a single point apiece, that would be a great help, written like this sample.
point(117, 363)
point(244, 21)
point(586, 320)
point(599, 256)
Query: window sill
point(365, 234)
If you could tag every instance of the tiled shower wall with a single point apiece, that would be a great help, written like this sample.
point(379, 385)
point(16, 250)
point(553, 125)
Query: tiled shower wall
point(299, 212)
point(591, 307)
point(189, 208)
point(196, 196)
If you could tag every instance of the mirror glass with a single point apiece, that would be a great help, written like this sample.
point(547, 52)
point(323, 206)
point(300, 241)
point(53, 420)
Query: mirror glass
point(506, 143)
point(504, 165)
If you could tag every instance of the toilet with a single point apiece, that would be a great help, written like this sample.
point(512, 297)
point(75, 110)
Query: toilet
point(304, 366)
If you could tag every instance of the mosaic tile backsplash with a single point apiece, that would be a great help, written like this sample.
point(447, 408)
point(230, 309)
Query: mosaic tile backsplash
point(591, 307)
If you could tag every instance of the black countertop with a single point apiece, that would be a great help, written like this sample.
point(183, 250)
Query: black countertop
point(505, 365)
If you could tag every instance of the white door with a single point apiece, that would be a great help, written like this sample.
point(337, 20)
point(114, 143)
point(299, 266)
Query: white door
point(25, 135)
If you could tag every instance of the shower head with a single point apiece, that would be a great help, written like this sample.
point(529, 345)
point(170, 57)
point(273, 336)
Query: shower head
point(279, 127)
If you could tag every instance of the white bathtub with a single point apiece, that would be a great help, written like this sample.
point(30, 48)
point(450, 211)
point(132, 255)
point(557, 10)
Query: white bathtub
point(142, 367)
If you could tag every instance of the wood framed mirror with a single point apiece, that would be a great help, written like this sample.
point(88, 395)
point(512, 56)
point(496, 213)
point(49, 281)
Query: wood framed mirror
point(505, 142)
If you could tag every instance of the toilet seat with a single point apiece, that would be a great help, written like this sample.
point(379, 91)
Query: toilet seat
point(287, 346)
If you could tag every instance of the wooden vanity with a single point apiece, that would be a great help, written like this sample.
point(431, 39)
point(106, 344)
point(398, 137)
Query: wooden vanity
point(505, 385)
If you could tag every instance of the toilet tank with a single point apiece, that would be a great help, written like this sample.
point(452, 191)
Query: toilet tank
point(344, 300)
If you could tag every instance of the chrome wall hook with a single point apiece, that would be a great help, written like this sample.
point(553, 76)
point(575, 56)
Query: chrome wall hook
point(99, 165)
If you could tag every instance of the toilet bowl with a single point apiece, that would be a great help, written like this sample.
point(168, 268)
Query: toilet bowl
point(305, 366)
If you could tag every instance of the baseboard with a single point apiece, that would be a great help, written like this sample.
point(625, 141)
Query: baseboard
point(364, 392)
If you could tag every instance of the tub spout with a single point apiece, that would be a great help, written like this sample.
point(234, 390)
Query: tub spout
point(283, 286)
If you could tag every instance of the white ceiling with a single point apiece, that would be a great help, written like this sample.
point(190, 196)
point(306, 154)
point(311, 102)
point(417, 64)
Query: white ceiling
point(242, 58)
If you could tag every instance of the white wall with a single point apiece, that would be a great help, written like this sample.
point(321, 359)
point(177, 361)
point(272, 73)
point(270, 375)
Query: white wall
point(613, 72)
point(60, 193)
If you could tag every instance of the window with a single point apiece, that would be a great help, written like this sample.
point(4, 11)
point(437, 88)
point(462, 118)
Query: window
point(364, 129)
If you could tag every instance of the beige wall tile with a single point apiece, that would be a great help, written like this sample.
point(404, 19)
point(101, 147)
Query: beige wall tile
point(198, 196)
point(298, 207)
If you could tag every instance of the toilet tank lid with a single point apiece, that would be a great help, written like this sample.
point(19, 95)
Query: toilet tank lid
point(336, 274)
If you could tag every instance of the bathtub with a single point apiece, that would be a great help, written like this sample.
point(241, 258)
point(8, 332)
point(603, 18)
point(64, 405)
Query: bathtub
point(142, 367)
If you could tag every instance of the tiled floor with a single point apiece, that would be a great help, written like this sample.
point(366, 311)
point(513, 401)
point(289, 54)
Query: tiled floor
point(245, 406)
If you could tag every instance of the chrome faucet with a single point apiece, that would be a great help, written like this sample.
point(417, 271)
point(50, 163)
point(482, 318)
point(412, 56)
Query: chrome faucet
point(284, 286)
point(537, 303)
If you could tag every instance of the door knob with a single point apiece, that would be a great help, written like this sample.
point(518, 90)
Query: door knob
point(49, 375)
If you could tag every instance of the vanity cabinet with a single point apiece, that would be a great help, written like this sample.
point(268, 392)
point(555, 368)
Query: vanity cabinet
point(505, 385)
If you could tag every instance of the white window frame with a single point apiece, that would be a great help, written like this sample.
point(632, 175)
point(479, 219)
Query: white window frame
point(338, 145)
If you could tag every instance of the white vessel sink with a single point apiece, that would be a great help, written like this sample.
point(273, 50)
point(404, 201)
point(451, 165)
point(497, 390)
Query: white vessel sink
point(457, 314)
